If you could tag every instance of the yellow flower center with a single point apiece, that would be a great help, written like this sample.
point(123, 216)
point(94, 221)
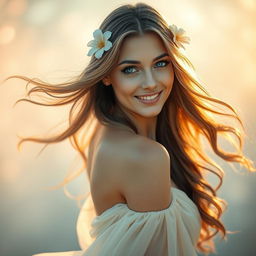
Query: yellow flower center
point(101, 44)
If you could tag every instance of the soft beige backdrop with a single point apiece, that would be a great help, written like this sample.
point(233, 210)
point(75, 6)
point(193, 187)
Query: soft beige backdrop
point(47, 39)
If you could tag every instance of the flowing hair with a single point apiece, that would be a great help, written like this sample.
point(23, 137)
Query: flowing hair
point(187, 116)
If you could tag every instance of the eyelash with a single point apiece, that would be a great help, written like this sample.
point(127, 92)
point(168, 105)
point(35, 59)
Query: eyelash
point(127, 68)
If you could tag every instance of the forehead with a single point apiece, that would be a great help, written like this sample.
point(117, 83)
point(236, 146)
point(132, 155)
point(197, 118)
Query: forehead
point(138, 47)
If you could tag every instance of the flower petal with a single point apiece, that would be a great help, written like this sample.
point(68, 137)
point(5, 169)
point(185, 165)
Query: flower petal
point(108, 45)
point(107, 35)
point(179, 36)
point(181, 31)
point(92, 51)
point(173, 28)
point(99, 53)
point(185, 39)
point(92, 43)
point(98, 35)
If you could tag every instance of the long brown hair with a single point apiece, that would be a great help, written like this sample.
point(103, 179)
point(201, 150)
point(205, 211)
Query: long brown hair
point(186, 117)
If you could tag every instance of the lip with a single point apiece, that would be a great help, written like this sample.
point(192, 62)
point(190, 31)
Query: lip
point(150, 94)
point(150, 102)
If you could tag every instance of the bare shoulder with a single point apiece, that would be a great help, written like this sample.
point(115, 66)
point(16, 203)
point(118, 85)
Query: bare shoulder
point(145, 181)
point(114, 149)
point(132, 167)
point(139, 168)
point(124, 151)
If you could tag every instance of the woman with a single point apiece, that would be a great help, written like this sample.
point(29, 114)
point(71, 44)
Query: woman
point(139, 111)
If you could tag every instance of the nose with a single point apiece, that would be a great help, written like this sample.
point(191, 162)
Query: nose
point(149, 80)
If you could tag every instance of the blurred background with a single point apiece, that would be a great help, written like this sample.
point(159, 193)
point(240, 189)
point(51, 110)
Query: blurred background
point(47, 39)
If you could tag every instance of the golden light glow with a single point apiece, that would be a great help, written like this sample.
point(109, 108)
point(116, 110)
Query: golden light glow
point(16, 7)
point(7, 34)
point(248, 4)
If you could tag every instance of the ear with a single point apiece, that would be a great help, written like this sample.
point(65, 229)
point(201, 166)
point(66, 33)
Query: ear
point(106, 80)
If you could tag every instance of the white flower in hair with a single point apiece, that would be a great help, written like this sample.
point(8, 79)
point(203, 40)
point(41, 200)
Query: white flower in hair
point(179, 37)
point(100, 43)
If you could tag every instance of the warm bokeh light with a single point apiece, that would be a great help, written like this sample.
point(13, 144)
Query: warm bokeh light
point(15, 8)
point(7, 34)
point(192, 18)
point(248, 4)
point(47, 39)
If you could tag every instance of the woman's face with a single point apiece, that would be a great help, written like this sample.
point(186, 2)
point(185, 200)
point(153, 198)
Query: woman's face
point(144, 67)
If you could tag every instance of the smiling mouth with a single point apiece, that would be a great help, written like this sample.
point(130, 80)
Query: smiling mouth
point(150, 95)
point(149, 99)
point(138, 96)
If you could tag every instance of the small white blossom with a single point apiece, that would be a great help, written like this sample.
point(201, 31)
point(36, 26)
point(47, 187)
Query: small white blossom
point(179, 37)
point(100, 43)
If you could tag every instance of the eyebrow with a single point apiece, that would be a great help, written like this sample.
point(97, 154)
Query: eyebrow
point(137, 62)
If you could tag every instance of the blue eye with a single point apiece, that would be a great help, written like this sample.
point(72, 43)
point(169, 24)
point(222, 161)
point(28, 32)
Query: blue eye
point(163, 61)
point(128, 69)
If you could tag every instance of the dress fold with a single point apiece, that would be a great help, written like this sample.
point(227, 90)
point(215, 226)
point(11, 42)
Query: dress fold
point(121, 231)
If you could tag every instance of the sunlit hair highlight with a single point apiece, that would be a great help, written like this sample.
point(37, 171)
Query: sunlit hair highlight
point(187, 117)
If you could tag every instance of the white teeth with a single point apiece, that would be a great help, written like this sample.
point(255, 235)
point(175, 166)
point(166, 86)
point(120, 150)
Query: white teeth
point(149, 97)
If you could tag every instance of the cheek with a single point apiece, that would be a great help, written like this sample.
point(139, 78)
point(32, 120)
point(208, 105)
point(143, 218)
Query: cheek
point(125, 85)
point(166, 77)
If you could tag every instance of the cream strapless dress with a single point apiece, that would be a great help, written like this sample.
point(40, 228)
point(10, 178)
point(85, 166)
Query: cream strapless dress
point(120, 231)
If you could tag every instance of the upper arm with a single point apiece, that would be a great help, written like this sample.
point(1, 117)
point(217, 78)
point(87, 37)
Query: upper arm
point(145, 180)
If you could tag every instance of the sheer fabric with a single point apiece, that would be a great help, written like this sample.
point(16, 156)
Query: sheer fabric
point(120, 231)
